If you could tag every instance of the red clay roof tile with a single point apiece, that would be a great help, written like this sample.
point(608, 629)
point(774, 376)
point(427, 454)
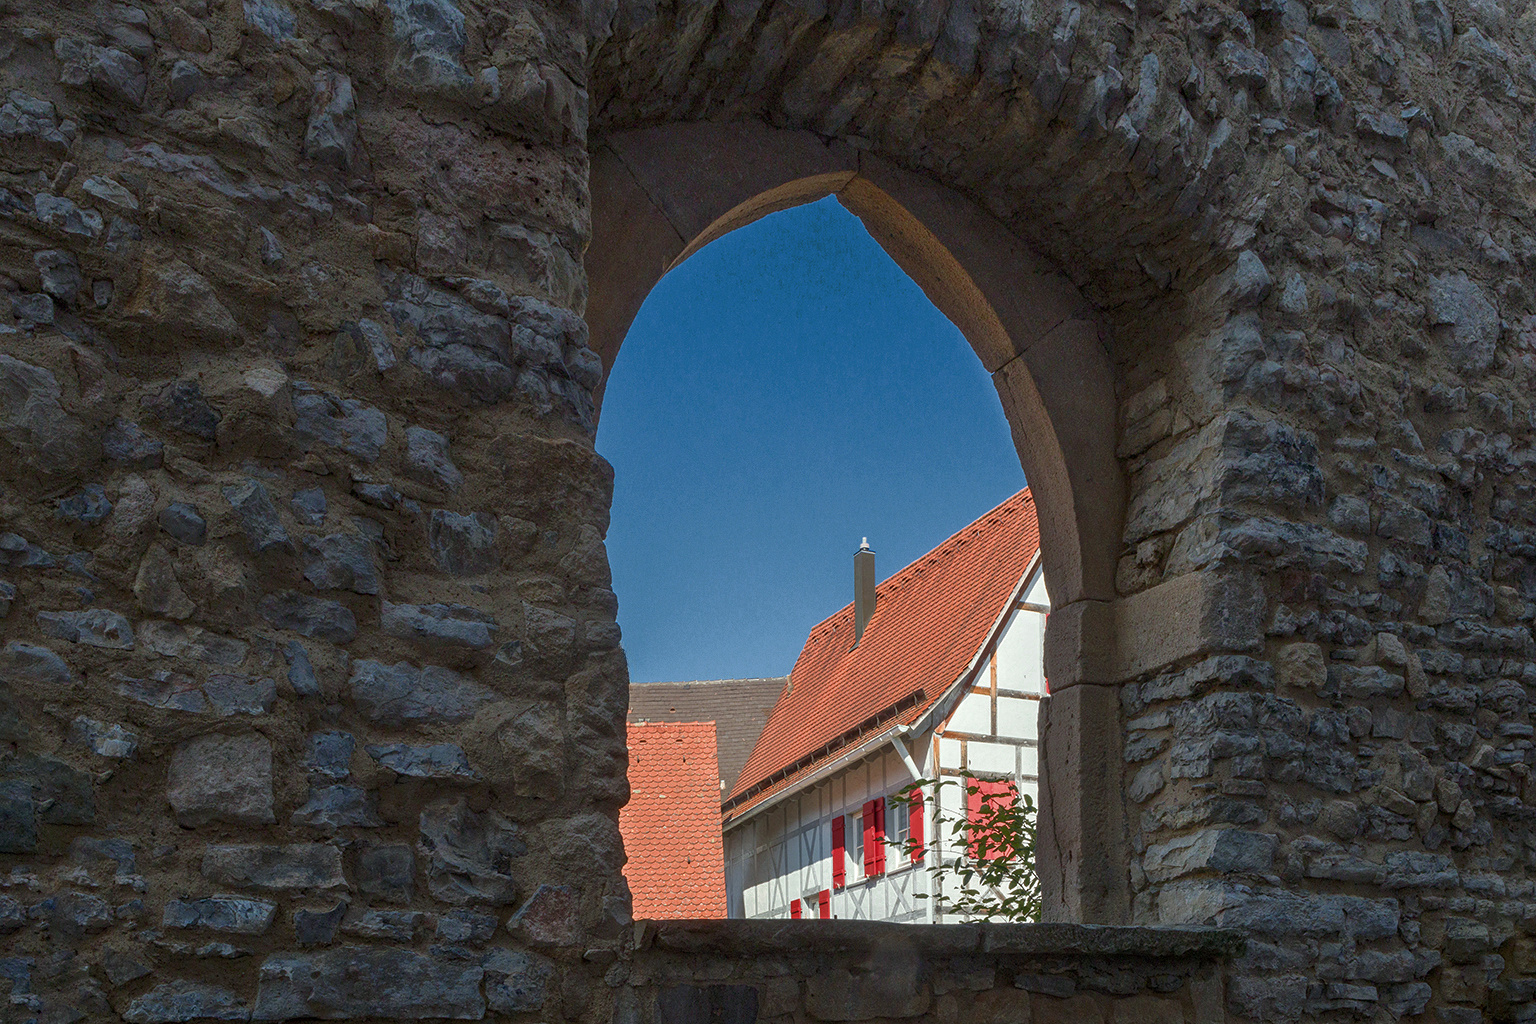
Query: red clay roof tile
point(671, 825)
point(930, 619)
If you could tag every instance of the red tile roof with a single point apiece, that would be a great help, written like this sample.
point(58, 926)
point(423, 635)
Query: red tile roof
point(671, 824)
point(930, 620)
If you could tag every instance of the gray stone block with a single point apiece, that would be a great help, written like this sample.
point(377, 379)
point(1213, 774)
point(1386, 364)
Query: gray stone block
point(357, 981)
point(340, 561)
point(330, 754)
point(183, 522)
point(235, 914)
point(94, 627)
point(292, 866)
point(402, 695)
point(469, 856)
point(264, 530)
point(311, 616)
point(433, 761)
point(463, 544)
point(221, 778)
point(173, 1002)
point(333, 807)
point(387, 872)
point(451, 624)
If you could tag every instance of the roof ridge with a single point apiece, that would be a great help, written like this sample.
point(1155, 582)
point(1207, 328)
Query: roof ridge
point(931, 617)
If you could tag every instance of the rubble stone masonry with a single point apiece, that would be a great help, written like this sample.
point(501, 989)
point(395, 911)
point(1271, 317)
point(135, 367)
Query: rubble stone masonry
point(311, 694)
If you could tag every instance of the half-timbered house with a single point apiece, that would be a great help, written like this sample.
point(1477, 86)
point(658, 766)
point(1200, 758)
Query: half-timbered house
point(935, 672)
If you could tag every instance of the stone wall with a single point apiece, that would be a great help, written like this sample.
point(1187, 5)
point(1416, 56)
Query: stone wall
point(313, 697)
point(792, 972)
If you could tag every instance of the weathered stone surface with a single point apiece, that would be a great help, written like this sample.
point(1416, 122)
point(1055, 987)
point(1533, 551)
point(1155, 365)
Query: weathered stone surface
point(173, 1002)
point(235, 914)
point(70, 915)
point(341, 561)
point(463, 545)
point(95, 627)
point(263, 529)
point(453, 624)
point(331, 135)
point(183, 522)
point(33, 422)
point(548, 918)
point(309, 505)
point(469, 856)
point(311, 616)
point(359, 981)
point(427, 460)
point(176, 296)
point(1468, 324)
point(103, 738)
point(462, 925)
point(33, 665)
point(122, 968)
point(318, 927)
point(1219, 850)
point(64, 794)
point(88, 506)
point(333, 807)
point(301, 673)
point(387, 872)
point(344, 423)
point(18, 817)
point(157, 589)
point(181, 406)
point(433, 761)
point(293, 866)
point(174, 640)
point(516, 981)
point(400, 926)
point(330, 754)
point(401, 695)
point(219, 778)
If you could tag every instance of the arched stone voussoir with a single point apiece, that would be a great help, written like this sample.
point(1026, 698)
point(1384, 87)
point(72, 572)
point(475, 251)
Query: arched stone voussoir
point(660, 194)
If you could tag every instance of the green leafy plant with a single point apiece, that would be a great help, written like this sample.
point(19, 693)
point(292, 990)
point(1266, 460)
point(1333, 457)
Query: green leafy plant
point(983, 862)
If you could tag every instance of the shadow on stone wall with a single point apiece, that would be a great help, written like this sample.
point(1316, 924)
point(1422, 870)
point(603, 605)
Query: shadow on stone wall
point(742, 972)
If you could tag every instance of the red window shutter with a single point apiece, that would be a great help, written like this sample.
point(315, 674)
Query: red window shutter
point(869, 838)
point(915, 819)
point(826, 904)
point(990, 794)
point(879, 837)
point(838, 875)
point(794, 909)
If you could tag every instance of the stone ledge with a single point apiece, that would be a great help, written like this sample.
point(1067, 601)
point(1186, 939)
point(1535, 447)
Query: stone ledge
point(758, 937)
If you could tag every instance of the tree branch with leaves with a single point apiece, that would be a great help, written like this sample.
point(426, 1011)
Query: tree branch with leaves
point(982, 860)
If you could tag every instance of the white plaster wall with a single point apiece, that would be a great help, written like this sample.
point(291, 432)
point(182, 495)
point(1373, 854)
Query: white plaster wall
point(785, 853)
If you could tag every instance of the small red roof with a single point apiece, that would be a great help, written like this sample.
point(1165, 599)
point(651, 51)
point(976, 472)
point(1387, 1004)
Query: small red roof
point(671, 825)
point(930, 620)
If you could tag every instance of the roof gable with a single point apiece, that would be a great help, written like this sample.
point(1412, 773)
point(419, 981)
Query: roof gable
point(930, 620)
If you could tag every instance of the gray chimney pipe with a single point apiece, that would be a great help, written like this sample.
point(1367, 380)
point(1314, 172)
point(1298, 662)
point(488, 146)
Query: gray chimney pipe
point(863, 590)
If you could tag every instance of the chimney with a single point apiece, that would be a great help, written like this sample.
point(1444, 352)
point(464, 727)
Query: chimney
point(863, 590)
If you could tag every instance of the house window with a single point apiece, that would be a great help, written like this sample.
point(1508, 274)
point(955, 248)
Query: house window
point(855, 834)
point(897, 822)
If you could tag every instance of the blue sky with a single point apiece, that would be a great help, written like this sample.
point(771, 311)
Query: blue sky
point(782, 394)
